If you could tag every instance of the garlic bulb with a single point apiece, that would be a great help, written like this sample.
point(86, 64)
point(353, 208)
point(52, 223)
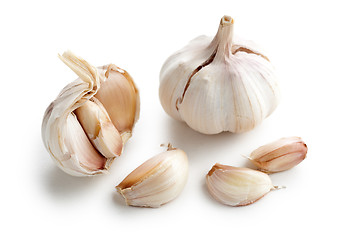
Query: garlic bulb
point(157, 181)
point(85, 128)
point(219, 84)
point(279, 155)
point(236, 186)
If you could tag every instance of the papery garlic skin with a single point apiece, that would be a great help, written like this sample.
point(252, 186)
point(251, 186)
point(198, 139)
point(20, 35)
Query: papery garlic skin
point(236, 186)
point(157, 181)
point(217, 85)
point(70, 146)
point(279, 155)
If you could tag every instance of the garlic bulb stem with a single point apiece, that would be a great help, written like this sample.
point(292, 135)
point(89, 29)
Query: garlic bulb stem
point(222, 41)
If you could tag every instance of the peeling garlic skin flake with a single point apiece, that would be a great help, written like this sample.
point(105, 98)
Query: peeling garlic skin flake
point(217, 85)
point(77, 129)
point(236, 186)
point(157, 181)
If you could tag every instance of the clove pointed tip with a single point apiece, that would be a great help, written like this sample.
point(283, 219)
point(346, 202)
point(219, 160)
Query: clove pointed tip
point(169, 146)
point(278, 187)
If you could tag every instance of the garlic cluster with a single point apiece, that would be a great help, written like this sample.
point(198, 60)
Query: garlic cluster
point(279, 155)
point(236, 186)
point(157, 181)
point(213, 84)
point(219, 84)
point(85, 128)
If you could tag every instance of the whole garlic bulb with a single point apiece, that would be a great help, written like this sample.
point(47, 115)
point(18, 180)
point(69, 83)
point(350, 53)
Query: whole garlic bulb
point(85, 128)
point(219, 84)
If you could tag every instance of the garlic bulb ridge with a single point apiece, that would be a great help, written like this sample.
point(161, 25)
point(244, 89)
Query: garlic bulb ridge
point(85, 128)
point(219, 84)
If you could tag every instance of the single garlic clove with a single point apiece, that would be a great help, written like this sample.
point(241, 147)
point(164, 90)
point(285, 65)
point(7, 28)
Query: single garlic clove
point(280, 155)
point(87, 144)
point(236, 186)
point(99, 128)
point(118, 86)
point(219, 84)
point(87, 158)
point(157, 181)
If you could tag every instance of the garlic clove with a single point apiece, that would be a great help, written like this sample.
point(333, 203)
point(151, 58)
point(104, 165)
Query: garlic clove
point(99, 128)
point(279, 155)
point(217, 84)
point(81, 151)
point(236, 186)
point(157, 181)
point(117, 86)
point(84, 157)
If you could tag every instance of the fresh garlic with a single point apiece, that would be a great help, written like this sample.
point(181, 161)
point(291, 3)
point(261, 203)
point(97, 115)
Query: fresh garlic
point(219, 84)
point(280, 155)
point(236, 186)
point(157, 181)
point(85, 128)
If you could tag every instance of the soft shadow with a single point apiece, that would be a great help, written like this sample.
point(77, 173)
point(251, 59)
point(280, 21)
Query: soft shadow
point(58, 183)
point(118, 200)
point(205, 191)
point(195, 143)
point(123, 208)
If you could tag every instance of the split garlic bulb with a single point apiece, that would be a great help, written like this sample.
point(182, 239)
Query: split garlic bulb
point(235, 186)
point(219, 84)
point(157, 181)
point(85, 128)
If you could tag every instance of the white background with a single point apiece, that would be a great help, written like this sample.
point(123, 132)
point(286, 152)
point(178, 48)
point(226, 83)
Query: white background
point(315, 47)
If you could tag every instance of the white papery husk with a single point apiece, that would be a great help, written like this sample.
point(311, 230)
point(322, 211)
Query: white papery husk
point(62, 134)
point(219, 84)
